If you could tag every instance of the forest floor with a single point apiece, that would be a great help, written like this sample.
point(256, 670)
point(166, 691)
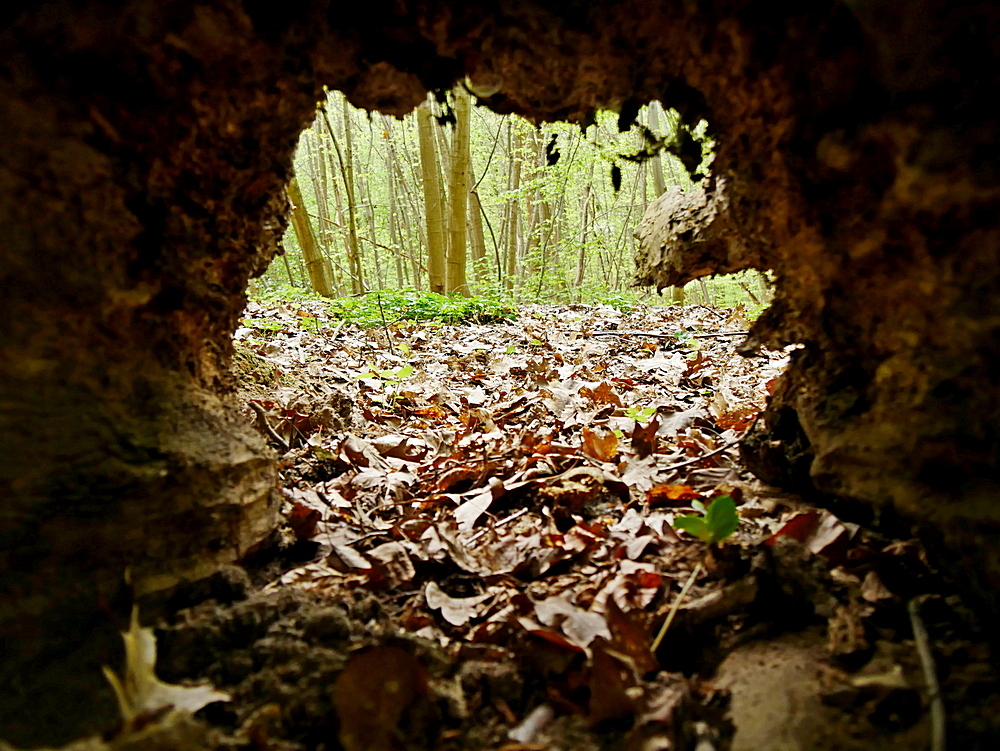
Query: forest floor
point(480, 551)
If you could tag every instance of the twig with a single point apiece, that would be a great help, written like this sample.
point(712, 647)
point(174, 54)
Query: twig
point(697, 459)
point(674, 608)
point(930, 675)
point(385, 326)
point(651, 335)
point(377, 533)
point(265, 426)
point(723, 447)
point(500, 523)
point(719, 333)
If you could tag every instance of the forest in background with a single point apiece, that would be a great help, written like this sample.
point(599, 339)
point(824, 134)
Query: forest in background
point(537, 216)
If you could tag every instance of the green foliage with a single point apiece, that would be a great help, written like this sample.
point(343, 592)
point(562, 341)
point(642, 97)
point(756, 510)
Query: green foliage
point(640, 415)
point(577, 234)
point(718, 522)
point(285, 293)
point(618, 301)
point(393, 375)
point(391, 306)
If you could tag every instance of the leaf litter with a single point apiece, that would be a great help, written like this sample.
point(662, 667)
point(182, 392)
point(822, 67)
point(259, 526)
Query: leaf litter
point(479, 546)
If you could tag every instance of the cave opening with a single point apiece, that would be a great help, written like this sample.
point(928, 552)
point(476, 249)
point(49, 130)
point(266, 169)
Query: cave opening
point(143, 186)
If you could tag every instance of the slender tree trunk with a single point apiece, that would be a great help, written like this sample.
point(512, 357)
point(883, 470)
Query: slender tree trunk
point(354, 253)
point(395, 240)
point(415, 240)
point(334, 159)
point(318, 178)
point(514, 185)
point(704, 292)
point(459, 194)
point(433, 210)
point(537, 209)
point(479, 265)
point(315, 264)
point(656, 162)
point(581, 257)
point(288, 267)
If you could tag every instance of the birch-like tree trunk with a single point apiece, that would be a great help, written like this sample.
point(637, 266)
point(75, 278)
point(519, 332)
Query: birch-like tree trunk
point(315, 265)
point(513, 185)
point(433, 209)
point(318, 177)
point(354, 252)
point(395, 238)
point(478, 238)
point(657, 161)
point(455, 281)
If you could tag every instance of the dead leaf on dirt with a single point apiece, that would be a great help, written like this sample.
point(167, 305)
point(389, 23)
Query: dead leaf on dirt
point(531, 726)
point(611, 697)
point(456, 610)
point(819, 531)
point(644, 440)
point(139, 691)
point(393, 563)
point(580, 626)
point(630, 638)
point(373, 694)
point(600, 445)
point(672, 495)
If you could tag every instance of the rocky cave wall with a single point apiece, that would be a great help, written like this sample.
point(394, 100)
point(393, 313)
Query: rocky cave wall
point(145, 149)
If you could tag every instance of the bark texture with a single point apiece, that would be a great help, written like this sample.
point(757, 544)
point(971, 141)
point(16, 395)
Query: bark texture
point(146, 148)
point(686, 236)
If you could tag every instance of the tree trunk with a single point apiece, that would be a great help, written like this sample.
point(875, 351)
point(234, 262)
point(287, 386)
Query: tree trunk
point(657, 161)
point(315, 262)
point(395, 236)
point(459, 194)
point(479, 264)
point(514, 186)
point(433, 209)
point(354, 254)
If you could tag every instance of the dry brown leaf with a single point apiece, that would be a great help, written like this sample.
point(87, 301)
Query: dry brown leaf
point(373, 694)
point(600, 445)
point(456, 610)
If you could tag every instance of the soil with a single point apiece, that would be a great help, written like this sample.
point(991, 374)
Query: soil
point(379, 619)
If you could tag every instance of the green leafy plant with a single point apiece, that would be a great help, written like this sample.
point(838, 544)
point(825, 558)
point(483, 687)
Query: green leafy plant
point(390, 306)
point(392, 375)
point(640, 415)
point(716, 523)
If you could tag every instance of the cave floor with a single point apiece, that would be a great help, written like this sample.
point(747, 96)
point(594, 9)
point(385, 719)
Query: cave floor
point(478, 551)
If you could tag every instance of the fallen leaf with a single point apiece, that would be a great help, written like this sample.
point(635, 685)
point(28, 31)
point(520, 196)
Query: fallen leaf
point(372, 695)
point(393, 563)
point(610, 681)
point(601, 446)
point(580, 626)
point(603, 394)
point(644, 439)
point(629, 637)
point(672, 495)
point(456, 610)
point(139, 691)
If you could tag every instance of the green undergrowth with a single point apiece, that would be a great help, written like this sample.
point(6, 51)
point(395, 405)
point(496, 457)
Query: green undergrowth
point(390, 306)
point(384, 307)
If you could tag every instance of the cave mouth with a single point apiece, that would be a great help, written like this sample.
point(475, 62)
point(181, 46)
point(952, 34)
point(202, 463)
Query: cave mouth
point(143, 186)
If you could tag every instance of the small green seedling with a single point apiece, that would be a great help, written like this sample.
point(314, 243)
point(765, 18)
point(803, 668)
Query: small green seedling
point(389, 376)
point(718, 522)
point(640, 415)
